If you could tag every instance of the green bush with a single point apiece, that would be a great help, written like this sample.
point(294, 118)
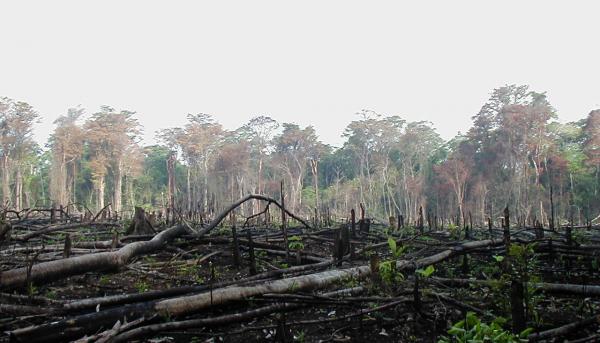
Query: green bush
point(471, 329)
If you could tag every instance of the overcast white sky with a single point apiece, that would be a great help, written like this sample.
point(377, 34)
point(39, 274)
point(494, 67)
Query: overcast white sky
point(309, 62)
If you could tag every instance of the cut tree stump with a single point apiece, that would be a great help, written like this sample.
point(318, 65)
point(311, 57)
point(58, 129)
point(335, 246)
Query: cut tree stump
point(140, 225)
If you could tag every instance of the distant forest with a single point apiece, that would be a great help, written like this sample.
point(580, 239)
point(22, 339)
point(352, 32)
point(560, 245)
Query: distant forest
point(515, 154)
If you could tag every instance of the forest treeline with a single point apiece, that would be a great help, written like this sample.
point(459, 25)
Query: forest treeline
point(516, 153)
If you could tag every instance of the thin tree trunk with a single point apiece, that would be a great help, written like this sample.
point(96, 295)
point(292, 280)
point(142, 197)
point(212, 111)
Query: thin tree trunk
point(100, 193)
point(5, 180)
point(118, 184)
point(315, 170)
point(189, 189)
point(18, 188)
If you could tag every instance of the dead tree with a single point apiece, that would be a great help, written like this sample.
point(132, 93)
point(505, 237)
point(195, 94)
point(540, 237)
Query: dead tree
point(140, 225)
point(53, 270)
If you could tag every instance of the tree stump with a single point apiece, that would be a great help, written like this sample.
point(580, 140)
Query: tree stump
point(140, 224)
point(4, 229)
point(364, 226)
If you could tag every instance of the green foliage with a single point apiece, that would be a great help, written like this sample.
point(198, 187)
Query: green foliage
point(394, 249)
point(389, 274)
point(454, 231)
point(141, 286)
point(31, 289)
point(104, 280)
point(295, 243)
point(350, 282)
point(51, 294)
point(471, 329)
point(260, 254)
point(427, 272)
point(300, 336)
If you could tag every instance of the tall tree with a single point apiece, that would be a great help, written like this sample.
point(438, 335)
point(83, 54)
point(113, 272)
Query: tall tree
point(110, 134)
point(16, 125)
point(591, 146)
point(259, 131)
point(67, 149)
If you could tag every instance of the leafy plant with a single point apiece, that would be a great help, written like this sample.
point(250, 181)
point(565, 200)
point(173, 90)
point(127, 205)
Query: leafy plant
point(427, 271)
point(51, 294)
point(260, 254)
point(104, 279)
point(471, 329)
point(394, 249)
point(31, 289)
point(388, 273)
point(142, 286)
point(300, 336)
point(295, 243)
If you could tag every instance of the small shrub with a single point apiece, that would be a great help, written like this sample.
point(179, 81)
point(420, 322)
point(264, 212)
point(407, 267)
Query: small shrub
point(471, 329)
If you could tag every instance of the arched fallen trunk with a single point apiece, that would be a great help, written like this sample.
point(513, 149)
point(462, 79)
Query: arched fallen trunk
point(54, 270)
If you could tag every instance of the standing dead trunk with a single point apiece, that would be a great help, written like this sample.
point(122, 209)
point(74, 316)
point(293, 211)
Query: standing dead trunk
point(140, 224)
point(100, 192)
point(18, 188)
point(283, 224)
point(74, 189)
point(171, 189)
point(118, 184)
point(189, 190)
point(5, 180)
point(314, 166)
point(205, 209)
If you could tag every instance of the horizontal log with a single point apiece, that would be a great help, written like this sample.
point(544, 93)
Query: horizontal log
point(181, 306)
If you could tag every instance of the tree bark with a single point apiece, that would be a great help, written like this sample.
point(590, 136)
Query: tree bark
point(118, 184)
point(5, 180)
point(100, 190)
point(314, 164)
point(18, 188)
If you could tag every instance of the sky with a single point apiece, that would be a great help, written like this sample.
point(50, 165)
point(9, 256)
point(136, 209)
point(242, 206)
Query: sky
point(308, 62)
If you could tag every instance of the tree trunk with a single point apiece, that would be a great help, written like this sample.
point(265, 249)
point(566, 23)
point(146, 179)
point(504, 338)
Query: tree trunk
point(57, 269)
point(180, 306)
point(18, 188)
point(205, 209)
point(118, 184)
point(100, 192)
point(74, 175)
point(5, 180)
point(171, 188)
point(314, 164)
point(140, 224)
point(190, 205)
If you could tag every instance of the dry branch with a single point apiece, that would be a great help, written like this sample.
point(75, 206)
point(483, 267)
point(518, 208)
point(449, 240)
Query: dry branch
point(53, 270)
point(27, 236)
point(190, 304)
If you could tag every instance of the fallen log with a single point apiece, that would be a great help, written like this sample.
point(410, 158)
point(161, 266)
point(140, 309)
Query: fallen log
point(558, 288)
point(78, 326)
point(53, 270)
point(220, 320)
point(176, 291)
point(564, 330)
point(27, 236)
